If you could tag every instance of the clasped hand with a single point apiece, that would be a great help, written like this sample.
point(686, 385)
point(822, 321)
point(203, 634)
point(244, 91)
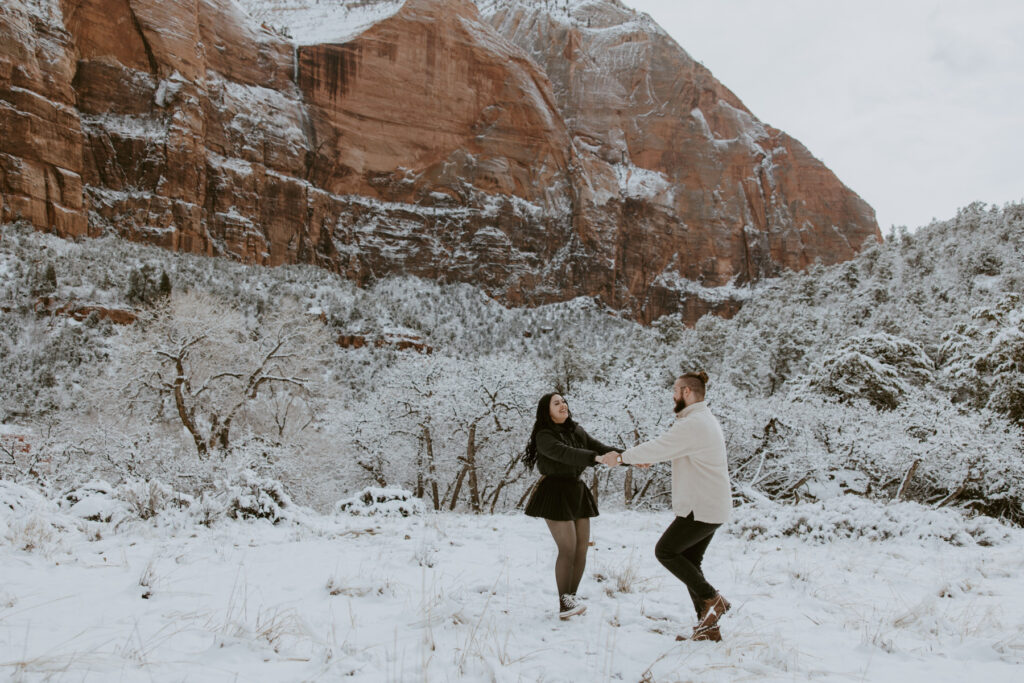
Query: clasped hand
point(614, 459)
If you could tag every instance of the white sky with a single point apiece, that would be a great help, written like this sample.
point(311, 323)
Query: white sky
point(917, 105)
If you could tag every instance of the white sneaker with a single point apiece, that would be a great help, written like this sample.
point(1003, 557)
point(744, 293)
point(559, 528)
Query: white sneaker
point(571, 606)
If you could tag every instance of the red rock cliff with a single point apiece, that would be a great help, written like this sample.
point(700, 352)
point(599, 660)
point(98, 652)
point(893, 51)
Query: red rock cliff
point(538, 154)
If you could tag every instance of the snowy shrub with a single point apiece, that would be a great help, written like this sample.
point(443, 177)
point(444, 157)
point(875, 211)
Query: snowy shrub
point(29, 533)
point(878, 367)
point(929, 451)
point(851, 517)
point(1008, 396)
point(255, 497)
point(208, 508)
point(147, 499)
point(18, 499)
point(984, 359)
point(94, 501)
point(28, 520)
point(381, 501)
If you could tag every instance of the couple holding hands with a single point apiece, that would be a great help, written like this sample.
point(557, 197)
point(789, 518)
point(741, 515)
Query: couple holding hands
point(701, 494)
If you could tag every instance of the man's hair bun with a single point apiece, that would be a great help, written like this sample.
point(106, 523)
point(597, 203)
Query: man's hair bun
point(697, 381)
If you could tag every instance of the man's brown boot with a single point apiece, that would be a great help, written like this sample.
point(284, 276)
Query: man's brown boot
point(713, 610)
point(712, 634)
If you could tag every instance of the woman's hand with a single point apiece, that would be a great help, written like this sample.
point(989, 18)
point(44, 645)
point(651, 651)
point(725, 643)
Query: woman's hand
point(611, 458)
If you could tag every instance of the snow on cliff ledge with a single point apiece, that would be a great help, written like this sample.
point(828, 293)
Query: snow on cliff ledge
point(589, 15)
point(309, 22)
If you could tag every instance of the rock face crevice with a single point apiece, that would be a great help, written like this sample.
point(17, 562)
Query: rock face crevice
point(541, 152)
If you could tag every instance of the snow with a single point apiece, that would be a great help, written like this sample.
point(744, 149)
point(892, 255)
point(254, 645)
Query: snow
point(233, 216)
point(593, 16)
point(445, 597)
point(238, 167)
point(129, 126)
point(47, 12)
point(96, 507)
point(987, 282)
point(310, 22)
point(375, 500)
point(259, 113)
point(642, 183)
point(168, 89)
point(671, 279)
point(13, 429)
point(751, 133)
point(25, 92)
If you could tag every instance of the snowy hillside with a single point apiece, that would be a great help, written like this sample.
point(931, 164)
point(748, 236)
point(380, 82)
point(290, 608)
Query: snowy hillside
point(894, 375)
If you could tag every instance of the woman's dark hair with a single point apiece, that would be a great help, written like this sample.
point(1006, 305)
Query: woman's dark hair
point(543, 421)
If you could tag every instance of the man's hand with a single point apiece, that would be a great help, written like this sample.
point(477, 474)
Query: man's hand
point(611, 458)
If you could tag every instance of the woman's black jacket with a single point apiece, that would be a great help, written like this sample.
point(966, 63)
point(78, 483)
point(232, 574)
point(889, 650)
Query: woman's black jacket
point(565, 452)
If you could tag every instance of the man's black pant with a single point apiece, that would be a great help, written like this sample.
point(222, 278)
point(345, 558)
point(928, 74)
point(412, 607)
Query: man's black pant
point(681, 549)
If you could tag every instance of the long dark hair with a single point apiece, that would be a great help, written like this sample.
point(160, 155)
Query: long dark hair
point(543, 421)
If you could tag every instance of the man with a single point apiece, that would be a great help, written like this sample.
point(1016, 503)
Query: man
point(701, 495)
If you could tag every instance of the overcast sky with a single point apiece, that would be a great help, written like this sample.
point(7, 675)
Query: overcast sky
point(917, 105)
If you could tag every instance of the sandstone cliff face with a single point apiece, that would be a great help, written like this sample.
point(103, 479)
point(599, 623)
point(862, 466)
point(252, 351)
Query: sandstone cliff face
point(696, 186)
point(539, 155)
point(40, 131)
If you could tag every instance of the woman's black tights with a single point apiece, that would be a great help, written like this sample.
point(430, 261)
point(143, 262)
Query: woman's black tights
point(572, 539)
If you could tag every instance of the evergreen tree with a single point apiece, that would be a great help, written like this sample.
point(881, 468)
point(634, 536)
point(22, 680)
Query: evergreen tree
point(164, 289)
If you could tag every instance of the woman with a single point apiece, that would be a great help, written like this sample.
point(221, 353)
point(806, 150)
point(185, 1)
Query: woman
point(561, 450)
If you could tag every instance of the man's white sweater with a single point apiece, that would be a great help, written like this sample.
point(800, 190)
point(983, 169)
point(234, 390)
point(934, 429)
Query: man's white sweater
point(700, 472)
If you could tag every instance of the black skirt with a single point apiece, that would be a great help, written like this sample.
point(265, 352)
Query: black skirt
point(561, 499)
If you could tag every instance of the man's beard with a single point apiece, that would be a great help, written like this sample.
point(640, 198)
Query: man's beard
point(680, 404)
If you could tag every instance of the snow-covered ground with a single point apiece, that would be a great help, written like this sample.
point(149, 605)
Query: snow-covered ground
point(445, 597)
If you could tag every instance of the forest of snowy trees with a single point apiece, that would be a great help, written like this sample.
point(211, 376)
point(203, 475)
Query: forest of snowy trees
point(168, 378)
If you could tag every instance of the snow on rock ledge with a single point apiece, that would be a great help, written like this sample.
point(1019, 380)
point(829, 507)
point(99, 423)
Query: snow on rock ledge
point(311, 23)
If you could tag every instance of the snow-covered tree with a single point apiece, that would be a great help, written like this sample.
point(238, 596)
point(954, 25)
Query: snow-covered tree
point(201, 365)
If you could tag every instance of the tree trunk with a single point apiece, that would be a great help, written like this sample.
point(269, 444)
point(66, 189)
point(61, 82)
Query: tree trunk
point(627, 486)
point(458, 487)
point(494, 496)
point(952, 496)
point(643, 491)
point(474, 487)
point(431, 472)
point(505, 480)
point(183, 413)
point(219, 434)
point(526, 495)
point(418, 492)
point(902, 490)
point(375, 471)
